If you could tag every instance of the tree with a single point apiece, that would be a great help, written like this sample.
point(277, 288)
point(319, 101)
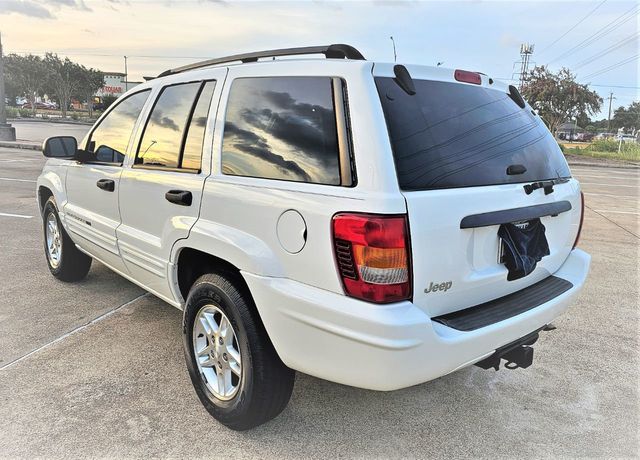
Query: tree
point(26, 75)
point(107, 100)
point(627, 118)
point(91, 80)
point(558, 97)
point(64, 79)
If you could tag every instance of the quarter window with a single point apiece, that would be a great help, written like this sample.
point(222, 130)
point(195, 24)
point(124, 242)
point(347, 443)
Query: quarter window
point(282, 128)
point(108, 141)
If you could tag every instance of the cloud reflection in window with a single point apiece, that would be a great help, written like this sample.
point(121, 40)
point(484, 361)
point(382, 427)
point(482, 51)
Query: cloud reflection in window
point(282, 128)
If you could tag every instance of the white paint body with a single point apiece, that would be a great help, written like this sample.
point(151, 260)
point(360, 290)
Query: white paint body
point(313, 325)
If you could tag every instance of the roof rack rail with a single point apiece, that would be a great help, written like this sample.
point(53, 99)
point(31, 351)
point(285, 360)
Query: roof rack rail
point(336, 51)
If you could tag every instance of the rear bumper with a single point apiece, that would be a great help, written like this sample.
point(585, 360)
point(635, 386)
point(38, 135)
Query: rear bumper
point(386, 347)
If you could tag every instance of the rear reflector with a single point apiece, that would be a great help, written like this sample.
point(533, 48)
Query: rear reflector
point(468, 77)
point(581, 220)
point(372, 256)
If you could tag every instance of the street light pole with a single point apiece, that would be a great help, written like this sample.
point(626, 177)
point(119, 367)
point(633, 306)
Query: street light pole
point(395, 57)
point(126, 76)
point(7, 132)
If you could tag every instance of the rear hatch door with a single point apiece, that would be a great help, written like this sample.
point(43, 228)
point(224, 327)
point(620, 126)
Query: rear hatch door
point(460, 150)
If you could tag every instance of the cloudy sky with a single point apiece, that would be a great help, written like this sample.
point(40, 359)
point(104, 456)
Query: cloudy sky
point(598, 40)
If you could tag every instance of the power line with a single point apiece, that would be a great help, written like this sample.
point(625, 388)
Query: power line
point(613, 25)
point(606, 51)
point(575, 25)
point(614, 66)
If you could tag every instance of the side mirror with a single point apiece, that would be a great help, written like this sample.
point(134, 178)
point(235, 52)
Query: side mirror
point(64, 147)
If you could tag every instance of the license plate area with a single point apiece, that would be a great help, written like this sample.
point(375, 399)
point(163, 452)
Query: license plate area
point(522, 245)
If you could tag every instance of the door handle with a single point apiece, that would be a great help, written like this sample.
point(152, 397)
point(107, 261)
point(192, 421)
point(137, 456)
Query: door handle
point(106, 184)
point(181, 197)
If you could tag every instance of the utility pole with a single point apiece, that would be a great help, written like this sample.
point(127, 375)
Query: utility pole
point(611, 98)
point(395, 57)
point(526, 50)
point(7, 132)
point(126, 76)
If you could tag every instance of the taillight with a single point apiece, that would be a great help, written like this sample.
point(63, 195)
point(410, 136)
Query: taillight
point(468, 77)
point(581, 220)
point(372, 252)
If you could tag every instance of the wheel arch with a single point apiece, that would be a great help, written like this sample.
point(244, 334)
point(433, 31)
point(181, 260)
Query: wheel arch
point(51, 184)
point(191, 263)
point(216, 245)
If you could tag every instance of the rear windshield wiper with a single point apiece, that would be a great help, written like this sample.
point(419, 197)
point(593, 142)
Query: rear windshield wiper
point(547, 185)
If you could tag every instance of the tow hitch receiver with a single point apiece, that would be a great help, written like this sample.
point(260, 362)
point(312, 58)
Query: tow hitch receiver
point(516, 354)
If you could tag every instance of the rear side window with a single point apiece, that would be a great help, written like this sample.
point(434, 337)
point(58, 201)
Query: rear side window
point(456, 135)
point(109, 140)
point(175, 130)
point(282, 128)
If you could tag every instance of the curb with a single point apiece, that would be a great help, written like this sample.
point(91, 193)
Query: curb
point(20, 145)
point(51, 120)
point(603, 165)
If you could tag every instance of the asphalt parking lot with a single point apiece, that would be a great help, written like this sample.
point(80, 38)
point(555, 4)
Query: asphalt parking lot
point(96, 369)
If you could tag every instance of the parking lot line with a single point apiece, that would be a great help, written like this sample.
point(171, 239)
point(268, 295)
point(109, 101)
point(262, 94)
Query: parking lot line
point(608, 176)
point(608, 185)
point(17, 180)
point(617, 212)
point(21, 216)
point(73, 331)
point(611, 195)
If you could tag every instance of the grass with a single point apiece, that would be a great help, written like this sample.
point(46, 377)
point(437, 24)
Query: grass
point(608, 149)
point(15, 112)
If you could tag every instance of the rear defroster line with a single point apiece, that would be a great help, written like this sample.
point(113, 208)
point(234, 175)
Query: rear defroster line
point(73, 331)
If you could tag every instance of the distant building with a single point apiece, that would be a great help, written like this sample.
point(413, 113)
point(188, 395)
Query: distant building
point(114, 85)
point(568, 131)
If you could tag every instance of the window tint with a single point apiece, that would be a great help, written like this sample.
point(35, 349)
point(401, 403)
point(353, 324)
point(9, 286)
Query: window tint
point(192, 154)
point(457, 135)
point(162, 139)
point(110, 138)
point(282, 128)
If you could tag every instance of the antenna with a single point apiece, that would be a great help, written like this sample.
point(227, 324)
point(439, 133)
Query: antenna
point(395, 56)
point(526, 50)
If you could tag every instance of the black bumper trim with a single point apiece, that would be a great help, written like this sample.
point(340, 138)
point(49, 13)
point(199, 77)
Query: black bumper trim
point(506, 307)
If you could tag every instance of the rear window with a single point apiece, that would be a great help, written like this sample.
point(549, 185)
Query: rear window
point(456, 135)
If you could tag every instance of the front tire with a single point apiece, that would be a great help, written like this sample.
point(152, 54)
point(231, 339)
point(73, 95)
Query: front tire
point(233, 366)
point(66, 262)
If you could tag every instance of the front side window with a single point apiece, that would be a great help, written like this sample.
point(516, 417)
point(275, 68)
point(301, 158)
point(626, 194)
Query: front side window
point(109, 140)
point(282, 128)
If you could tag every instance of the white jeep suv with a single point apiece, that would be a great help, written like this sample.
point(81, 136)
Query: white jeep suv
point(372, 224)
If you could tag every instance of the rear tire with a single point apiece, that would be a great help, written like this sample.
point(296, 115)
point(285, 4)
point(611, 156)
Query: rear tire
point(259, 384)
point(66, 262)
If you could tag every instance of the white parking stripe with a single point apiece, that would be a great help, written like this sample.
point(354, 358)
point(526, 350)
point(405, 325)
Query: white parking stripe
point(609, 185)
point(635, 197)
point(16, 160)
point(616, 212)
point(579, 176)
point(17, 180)
point(77, 329)
point(4, 214)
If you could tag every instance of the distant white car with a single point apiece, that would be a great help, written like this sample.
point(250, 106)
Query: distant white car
point(372, 224)
point(626, 138)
